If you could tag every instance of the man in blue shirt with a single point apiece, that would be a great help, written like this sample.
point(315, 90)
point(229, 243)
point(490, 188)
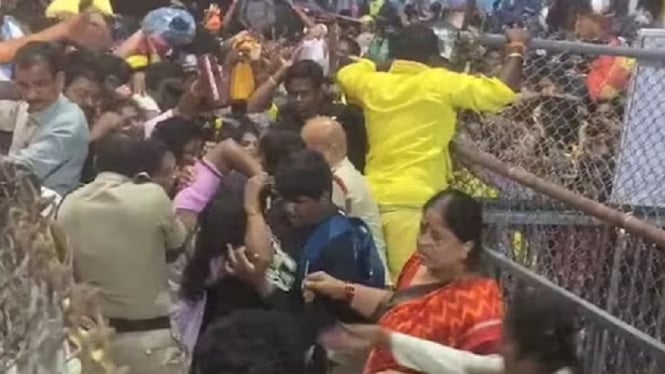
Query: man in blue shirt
point(303, 183)
point(50, 133)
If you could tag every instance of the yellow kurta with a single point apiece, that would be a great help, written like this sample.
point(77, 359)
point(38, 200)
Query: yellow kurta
point(410, 115)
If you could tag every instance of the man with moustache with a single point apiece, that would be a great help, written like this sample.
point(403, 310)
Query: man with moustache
point(50, 133)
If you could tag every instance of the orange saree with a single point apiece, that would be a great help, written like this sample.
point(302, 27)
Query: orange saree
point(465, 315)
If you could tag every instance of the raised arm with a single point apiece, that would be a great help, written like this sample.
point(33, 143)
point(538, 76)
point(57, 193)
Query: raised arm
point(306, 20)
point(511, 73)
point(229, 13)
point(258, 239)
point(484, 94)
point(262, 98)
point(193, 101)
point(59, 31)
point(222, 159)
point(228, 155)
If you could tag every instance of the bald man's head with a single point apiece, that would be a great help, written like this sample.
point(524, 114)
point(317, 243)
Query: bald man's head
point(325, 135)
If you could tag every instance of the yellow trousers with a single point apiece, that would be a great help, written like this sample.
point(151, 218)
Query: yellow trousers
point(400, 229)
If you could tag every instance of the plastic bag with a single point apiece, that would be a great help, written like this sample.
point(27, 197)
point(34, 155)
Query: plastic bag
point(609, 76)
point(175, 26)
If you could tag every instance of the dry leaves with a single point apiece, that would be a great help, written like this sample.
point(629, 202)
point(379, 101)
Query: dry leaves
point(39, 303)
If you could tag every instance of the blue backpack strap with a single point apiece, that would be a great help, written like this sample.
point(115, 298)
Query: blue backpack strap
point(319, 239)
point(370, 267)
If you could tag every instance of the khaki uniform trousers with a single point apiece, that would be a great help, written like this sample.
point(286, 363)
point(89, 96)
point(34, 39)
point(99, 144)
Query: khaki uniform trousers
point(148, 352)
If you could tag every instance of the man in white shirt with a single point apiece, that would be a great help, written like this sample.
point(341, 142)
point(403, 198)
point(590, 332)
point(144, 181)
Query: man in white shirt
point(325, 135)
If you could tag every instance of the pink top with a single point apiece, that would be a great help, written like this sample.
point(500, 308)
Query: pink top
point(196, 196)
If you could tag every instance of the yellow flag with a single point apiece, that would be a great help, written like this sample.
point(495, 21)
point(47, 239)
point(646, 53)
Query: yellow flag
point(242, 81)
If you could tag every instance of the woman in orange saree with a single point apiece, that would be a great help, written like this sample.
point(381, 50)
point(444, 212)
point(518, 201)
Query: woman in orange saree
point(441, 294)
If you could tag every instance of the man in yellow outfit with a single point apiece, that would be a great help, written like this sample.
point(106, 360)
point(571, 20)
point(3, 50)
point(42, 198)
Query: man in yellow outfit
point(411, 114)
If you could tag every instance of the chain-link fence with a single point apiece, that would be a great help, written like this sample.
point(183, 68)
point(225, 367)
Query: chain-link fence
point(582, 122)
point(592, 124)
point(606, 344)
point(617, 271)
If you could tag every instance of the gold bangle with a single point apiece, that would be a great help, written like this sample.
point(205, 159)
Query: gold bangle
point(518, 55)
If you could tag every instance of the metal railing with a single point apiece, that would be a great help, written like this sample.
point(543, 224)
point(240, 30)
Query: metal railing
point(574, 188)
point(606, 344)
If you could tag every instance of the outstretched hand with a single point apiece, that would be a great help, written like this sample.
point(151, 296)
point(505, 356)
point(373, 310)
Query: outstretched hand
point(289, 56)
point(355, 338)
point(323, 284)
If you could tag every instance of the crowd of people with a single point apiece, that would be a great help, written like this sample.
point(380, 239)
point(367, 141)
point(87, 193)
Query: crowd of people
point(261, 199)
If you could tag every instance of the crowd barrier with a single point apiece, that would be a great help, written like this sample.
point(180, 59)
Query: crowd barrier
point(574, 189)
point(605, 343)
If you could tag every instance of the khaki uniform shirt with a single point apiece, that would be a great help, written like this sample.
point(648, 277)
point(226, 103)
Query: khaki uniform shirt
point(119, 232)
